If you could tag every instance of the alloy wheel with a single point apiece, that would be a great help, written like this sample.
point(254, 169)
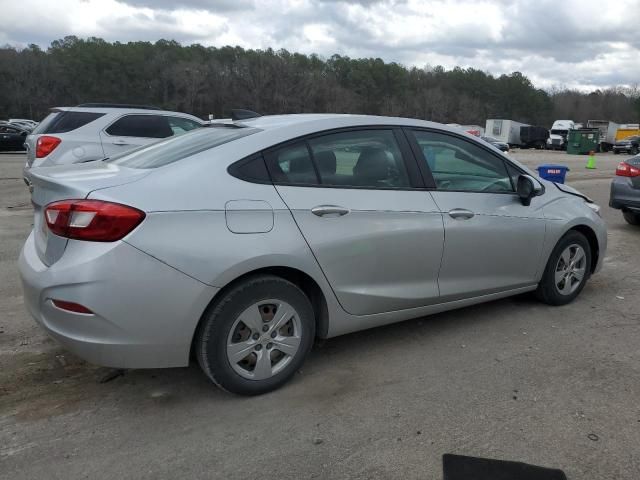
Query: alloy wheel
point(264, 339)
point(570, 269)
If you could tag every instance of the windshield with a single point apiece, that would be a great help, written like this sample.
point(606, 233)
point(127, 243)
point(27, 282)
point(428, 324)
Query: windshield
point(176, 148)
point(559, 132)
point(632, 138)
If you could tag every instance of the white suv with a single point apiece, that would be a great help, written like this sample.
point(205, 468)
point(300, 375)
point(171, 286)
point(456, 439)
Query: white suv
point(92, 131)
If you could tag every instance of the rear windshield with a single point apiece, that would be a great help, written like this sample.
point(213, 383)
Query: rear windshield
point(65, 121)
point(176, 148)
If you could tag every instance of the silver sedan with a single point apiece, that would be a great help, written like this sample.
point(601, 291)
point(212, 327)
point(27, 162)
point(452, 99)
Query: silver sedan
point(242, 243)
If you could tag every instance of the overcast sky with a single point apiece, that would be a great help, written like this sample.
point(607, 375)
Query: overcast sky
point(584, 44)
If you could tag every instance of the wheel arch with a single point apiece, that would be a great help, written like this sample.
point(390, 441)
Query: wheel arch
point(304, 281)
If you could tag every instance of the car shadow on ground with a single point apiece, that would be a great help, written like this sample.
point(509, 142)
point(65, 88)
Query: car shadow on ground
point(58, 382)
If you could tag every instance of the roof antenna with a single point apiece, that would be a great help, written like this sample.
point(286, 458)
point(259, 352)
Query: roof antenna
point(239, 114)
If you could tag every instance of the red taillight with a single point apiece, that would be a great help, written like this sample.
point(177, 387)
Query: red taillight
point(92, 220)
point(626, 170)
point(45, 145)
point(71, 307)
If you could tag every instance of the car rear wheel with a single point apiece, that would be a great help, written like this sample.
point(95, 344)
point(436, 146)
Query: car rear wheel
point(567, 270)
point(632, 218)
point(256, 336)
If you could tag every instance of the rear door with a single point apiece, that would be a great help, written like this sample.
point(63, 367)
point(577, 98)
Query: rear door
point(376, 236)
point(134, 130)
point(493, 242)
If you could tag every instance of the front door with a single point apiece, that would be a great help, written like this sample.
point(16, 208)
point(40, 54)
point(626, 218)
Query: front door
point(492, 242)
point(378, 240)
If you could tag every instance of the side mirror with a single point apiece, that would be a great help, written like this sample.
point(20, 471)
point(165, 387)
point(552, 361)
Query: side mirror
point(527, 189)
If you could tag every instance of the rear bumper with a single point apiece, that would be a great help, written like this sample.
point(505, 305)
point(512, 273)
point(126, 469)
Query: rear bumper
point(145, 312)
point(623, 195)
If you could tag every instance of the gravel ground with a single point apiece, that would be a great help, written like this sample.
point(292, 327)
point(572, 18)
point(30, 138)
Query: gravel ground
point(511, 379)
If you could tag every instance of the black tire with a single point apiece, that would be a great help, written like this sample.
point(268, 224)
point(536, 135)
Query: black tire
point(547, 291)
point(634, 151)
point(214, 330)
point(632, 218)
point(616, 152)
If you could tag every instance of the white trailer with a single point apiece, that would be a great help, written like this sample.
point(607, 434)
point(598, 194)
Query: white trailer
point(507, 131)
point(608, 132)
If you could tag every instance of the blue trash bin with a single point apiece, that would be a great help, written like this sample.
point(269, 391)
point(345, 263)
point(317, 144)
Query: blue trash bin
point(553, 173)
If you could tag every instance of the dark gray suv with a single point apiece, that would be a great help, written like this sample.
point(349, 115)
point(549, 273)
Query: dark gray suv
point(625, 190)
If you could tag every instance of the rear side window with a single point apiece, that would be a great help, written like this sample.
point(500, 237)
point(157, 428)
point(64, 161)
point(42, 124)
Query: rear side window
point(66, 121)
point(291, 164)
point(365, 158)
point(147, 126)
point(180, 147)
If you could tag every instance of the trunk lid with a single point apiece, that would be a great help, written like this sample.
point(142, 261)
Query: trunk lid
point(50, 184)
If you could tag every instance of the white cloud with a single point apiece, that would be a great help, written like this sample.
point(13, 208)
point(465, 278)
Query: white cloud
point(576, 43)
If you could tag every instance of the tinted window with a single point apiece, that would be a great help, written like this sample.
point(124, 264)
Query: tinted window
point(176, 148)
point(251, 169)
point(365, 158)
point(147, 126)
point(291, 164)
point(458, 164)
point(181, 125)
point(66, 121)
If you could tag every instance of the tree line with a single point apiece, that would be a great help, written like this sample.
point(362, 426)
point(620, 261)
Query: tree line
point(213, 80)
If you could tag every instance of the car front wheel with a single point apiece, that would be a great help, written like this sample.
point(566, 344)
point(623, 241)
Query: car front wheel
point(567, 270)
point(256, 336)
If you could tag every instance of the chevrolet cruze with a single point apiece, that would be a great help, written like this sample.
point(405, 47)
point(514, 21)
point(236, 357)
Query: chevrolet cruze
point(240, 244)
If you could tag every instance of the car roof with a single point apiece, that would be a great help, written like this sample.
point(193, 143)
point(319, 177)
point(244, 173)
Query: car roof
point(322, 121)
point(120, 110)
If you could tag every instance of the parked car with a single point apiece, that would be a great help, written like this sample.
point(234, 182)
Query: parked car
point(25, 121)
point(94, 131)
point(630, 145)
point(502, 146)
point(23, 125)
point(241, 244)
point(12, 137)
point(625, 190)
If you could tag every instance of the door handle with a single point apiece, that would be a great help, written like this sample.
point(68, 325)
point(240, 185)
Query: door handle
point(461, 214)
point(120, 142)
point(332, 210)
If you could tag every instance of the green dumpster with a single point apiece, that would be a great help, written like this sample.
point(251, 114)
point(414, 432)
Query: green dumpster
point(582, 141)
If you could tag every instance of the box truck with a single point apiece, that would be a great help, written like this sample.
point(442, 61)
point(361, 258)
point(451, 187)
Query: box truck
point(558, 136)
point(627, 130)
point(507, 131)
point(533, 137)
point(607, 131)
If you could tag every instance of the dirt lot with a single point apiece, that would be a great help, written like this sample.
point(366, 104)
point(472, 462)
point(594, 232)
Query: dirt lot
point(511, 379)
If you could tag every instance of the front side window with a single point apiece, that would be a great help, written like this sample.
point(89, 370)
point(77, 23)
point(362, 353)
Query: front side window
point(459, 165)
point(364, 158)
point(145, 126)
